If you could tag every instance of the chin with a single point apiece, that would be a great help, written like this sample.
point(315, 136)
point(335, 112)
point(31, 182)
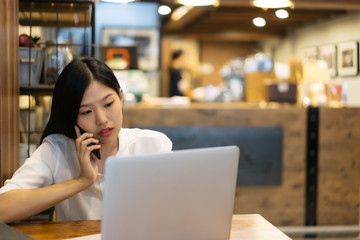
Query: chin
point(112, 137)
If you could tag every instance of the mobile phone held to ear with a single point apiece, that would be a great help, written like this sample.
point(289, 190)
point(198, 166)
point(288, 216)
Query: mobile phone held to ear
point(96, 151)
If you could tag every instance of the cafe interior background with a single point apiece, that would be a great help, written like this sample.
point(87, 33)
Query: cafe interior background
point(296, 67)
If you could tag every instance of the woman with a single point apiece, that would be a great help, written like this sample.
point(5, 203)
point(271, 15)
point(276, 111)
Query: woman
point(179, 76)
point(63, 171)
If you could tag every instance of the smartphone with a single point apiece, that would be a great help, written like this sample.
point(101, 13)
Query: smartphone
point(96, 151)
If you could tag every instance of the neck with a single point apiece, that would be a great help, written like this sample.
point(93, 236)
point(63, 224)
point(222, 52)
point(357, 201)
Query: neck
point(106, 151)
point(109, 149)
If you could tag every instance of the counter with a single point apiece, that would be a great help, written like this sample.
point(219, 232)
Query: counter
point(333, 197)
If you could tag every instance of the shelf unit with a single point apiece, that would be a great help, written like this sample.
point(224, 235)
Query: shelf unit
point(52, 17)
point(56, 20)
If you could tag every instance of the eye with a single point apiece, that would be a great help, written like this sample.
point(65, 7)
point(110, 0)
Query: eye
point(86, 112)
point(108, 104)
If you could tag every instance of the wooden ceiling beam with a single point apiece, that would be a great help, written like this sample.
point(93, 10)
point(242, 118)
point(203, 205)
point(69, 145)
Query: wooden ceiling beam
point(327, 4)
point(304, 4)
point(277, 30)
point(232, 20)
point(233, 12)
point(272, 17)
point(230, 36)
point(193, 15)
point(299, 4)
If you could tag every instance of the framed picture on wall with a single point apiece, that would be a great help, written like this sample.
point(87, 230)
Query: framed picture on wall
point(310, 54)
point(347, 55)
point(328, 54)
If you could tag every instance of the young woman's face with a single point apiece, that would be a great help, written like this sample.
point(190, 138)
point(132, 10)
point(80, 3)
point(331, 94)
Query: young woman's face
point(100, 112)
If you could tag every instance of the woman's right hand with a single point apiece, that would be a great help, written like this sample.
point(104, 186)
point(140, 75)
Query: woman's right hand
point(19, 204)
point(88, 164)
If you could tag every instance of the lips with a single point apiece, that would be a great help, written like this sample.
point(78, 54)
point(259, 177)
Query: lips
point(106, 132)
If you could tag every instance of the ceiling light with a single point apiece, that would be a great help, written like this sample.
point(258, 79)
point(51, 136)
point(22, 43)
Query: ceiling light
point(164, 10)
point(259, 22)
point(273, 3)
point(118, 1)
point(281, 13)
point(198, 2)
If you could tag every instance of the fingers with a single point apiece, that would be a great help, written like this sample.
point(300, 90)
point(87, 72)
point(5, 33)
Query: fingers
point(77, 131)
point(88, 145)
point(85, 144)
point(81, 137)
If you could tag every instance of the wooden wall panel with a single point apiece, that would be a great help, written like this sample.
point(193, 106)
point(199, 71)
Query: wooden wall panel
point(165, 65)
point(218, 53)
point(9, 88)
point(339, 166)
point(281, 205)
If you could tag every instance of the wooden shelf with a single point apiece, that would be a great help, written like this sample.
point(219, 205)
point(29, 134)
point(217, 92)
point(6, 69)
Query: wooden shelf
point(39, 90)
point(56, 13)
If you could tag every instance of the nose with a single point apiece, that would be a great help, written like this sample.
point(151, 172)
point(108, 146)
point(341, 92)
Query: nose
point(101, 117)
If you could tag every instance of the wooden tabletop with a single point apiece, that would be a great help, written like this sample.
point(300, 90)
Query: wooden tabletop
point(244, 227)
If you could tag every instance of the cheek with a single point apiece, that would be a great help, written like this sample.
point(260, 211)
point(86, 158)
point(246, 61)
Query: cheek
point(84, 122)
point(117, 113)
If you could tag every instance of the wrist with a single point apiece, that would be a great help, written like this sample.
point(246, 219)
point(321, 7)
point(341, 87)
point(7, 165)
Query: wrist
point(85, 182)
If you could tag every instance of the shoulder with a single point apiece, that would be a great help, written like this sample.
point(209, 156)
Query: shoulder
point(56, 138)
point(54, 146)
point(57, 141)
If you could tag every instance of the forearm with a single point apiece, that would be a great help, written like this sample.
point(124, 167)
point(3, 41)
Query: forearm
point(22, 203)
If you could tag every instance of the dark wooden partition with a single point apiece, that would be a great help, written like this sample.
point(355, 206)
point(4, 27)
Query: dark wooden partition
point(9, 88)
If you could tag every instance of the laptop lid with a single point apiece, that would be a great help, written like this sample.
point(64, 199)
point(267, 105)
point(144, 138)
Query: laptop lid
point(186, 194)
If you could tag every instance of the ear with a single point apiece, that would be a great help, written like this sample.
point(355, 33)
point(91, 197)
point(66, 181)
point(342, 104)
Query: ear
point(121, 95)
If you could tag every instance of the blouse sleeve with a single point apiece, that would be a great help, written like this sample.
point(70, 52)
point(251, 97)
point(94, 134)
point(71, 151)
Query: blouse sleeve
point(37, 170)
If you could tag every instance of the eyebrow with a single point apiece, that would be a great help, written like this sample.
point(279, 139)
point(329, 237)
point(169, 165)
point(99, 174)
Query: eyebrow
point(104, 98)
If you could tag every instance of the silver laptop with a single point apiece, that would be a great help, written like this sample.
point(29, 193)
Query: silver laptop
point(186, 194)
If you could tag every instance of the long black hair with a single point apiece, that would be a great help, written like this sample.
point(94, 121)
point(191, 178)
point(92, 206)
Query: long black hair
point(69, 90)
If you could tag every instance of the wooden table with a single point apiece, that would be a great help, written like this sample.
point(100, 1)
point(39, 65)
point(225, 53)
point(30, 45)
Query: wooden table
point(244, 227)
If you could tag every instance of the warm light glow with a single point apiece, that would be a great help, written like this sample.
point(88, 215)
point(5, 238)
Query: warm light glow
point(198, 2)
point(164, 10)
point(259, 22)
point(180, 12)
point(118, 1)
point(272, 3)
point(281, 13)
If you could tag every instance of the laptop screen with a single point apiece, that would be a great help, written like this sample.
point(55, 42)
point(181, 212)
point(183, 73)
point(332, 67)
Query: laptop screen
point(186, 194)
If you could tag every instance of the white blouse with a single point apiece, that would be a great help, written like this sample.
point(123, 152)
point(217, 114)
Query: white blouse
point(55, 161)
